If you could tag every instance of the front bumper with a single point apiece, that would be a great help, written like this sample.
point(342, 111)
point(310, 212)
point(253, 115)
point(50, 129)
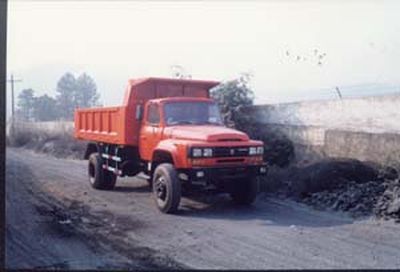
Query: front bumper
point(223, 173)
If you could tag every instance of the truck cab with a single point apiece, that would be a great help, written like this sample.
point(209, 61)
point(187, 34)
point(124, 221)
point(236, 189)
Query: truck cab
point(180, 143)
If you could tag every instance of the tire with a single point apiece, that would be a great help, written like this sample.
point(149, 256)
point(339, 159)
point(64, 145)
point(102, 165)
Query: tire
point(244, 191)
point(166, 188)
point(100, 178)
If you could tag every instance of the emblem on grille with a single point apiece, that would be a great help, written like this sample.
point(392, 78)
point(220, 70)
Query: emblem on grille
point(232, 151)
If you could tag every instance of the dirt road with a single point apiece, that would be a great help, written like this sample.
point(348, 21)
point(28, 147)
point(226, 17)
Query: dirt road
point(209, 232)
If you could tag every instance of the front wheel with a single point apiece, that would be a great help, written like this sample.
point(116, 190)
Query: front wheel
point(166, 188)
point(244, 191)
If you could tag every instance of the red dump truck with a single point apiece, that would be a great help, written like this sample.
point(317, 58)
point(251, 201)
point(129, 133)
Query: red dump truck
point(172, 132)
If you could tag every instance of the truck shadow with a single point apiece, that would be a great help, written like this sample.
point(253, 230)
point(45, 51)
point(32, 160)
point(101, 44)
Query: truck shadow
point(267, 210)
point(132, 185)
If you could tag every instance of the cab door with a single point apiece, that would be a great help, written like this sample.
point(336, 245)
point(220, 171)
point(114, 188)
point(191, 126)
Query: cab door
point(151, 131)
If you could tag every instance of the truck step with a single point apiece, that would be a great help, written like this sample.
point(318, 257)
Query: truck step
point(114, 158)
point(112, 169)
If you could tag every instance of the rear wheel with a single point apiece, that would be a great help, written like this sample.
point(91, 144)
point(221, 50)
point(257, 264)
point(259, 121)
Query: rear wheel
point(100, 178)
point(244, 191)
point(166, 188)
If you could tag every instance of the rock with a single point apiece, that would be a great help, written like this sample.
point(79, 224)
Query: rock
point(63, 222)
point(85, 220)
point(390, 173)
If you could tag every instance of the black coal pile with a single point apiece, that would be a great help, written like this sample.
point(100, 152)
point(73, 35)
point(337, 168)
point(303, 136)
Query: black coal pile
point(379, 197)
point(356, 198)
point(329, 174)
point(388, 204)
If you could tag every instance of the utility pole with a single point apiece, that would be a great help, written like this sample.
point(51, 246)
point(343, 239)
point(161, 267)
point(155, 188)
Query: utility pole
point(12, 81)
point(338, 92)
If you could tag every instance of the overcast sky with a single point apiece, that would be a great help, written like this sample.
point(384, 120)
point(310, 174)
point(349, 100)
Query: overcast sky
point(295, 50)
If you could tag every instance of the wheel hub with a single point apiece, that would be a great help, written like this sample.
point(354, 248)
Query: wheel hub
point(161, 189)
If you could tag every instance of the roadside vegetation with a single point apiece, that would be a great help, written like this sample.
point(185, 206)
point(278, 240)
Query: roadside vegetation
point(44, 123)
point(52, 138)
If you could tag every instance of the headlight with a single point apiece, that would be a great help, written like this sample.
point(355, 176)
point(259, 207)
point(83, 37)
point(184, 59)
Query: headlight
point(253, 151)
point(197, 152)
point(256, 150)
point(207, 152)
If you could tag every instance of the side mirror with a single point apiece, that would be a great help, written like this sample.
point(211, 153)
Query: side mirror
point(139, 112)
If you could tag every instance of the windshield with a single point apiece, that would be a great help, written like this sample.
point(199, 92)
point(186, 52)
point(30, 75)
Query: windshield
point(192, 113)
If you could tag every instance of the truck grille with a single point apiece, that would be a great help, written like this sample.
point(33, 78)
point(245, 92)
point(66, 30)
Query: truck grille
point(231, 151)
point(230, 160)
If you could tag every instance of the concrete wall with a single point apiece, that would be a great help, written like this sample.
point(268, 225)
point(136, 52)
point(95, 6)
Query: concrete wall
point(367, 129)
point(383, 148)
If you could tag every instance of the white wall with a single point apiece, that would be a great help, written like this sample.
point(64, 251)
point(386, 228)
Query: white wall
point(366, 128)
point(376, 114)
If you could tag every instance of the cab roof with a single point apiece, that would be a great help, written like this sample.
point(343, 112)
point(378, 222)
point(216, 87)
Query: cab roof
point(181, 99)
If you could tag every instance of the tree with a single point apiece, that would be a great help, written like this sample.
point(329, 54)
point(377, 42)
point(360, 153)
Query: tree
point(45, 108)
point(75, 93)
point(25, 104)
point(86, 92)
point(66, 88)
point(232, 97)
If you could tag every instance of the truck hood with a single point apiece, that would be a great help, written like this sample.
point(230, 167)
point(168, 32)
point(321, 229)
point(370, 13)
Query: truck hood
point(205, 133)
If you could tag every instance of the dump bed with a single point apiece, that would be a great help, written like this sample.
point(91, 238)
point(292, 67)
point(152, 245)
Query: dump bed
point(118, 125)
